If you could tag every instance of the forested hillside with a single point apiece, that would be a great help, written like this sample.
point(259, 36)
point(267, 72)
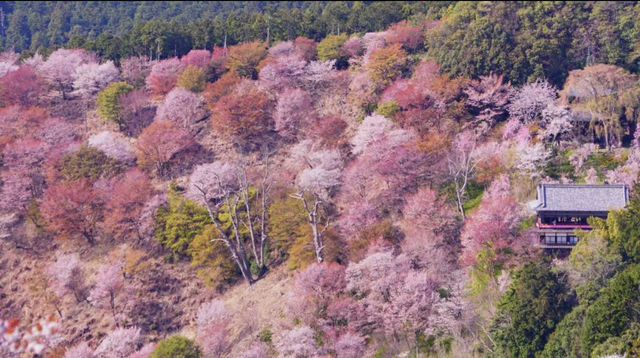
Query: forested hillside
point(297, 179)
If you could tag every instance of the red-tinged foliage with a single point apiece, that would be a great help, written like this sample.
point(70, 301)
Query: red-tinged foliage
point(22, 86)
point(125, 203)
point(164, 76)
point(198, 58)
point(328, 131)
point(244, 114)
point(306, 48)
point(493, 225)
point(218, 64)
point(158, 143)
point(404, 33)
point(220, 88)
point(72, 209)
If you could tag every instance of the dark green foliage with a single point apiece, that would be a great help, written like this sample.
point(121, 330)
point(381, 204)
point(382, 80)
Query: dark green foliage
point(89, 163)
point(164, 29)
point(528, 40)
point(564, 341)
point(535, 302)
point(176, 347)
point(612, 313)
point(559, 165)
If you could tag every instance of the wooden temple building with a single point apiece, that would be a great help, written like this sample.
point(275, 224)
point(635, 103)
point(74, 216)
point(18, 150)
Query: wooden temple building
point(563, 208)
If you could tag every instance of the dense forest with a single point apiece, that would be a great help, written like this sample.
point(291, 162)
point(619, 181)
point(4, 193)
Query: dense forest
point(314, 179)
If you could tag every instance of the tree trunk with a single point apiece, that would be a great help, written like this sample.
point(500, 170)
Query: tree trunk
point(237, 253)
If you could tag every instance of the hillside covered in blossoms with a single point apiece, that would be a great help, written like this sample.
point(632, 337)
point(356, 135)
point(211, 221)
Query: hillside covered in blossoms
point(352, 182)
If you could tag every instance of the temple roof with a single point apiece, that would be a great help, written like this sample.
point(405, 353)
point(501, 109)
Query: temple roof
point(576, 198)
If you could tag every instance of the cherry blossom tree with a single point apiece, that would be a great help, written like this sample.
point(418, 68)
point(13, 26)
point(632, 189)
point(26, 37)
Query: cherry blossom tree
point(23, 180)
point(135, 70)
point(488, 99)
point(404, 33)
point(353, 47)
point(493, 226)
point(7, 67)
point(81, 350)
point(113, 145)
point(305, 47)
point(297, 342)
point(283, 72)
point(314, 185)
point(531, 157)
point(318, 75)
point(91, 78)
point(164, 76)
point(72, 209)
point(293, 110)
point(60, 67)
point(398, 294)
point(426, 216)
point(557, 124)
point(627, 173)
point(35, 61)
point(184, 108)
point(245, 115)
point(21, 86)
point(197, 58)
point(314, 287)
point(67, 277)
point(109, 288)
point(529, 101)
point(285, 48)
point(462, 166)
point(125, 204)
point(212, 329)
point(350, 345)
point(158, 143)
point(119, 343)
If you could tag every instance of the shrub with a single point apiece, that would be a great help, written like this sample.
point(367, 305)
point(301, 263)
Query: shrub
point(89, 163)
point(176, 347)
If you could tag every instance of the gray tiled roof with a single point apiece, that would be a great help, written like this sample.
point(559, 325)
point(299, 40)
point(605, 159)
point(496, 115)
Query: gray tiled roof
point(574, 197)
